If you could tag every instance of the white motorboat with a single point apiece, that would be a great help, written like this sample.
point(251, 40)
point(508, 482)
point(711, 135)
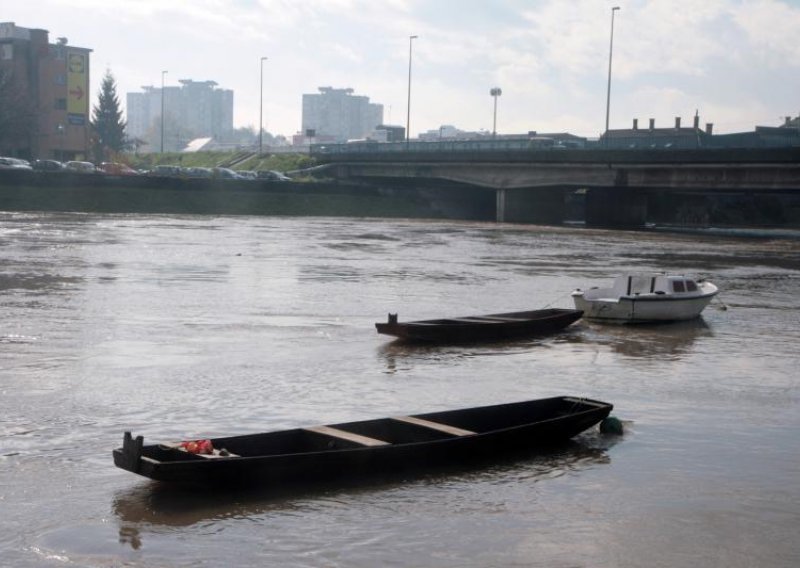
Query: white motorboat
point(646, 298)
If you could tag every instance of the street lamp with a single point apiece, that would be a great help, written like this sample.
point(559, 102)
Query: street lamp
point(610, 51)
point(408, 106)
point(495, 92)
point(162, 110)
point(261, 111)
point(60, 153)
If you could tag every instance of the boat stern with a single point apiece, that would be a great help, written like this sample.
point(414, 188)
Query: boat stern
point(129, 456)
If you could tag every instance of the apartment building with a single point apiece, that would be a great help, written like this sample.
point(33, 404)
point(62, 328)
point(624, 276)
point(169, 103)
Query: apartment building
point(195, 109)
point(339, 114)
point(48, 86)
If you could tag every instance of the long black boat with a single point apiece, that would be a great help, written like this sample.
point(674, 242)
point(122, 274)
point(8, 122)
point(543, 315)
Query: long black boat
point(490, 327)
point(354, 450)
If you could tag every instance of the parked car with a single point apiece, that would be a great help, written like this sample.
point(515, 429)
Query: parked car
point(167, 171)
point(48, 166)
point(272, 175)
point(225, 173)
point(116, 169)
point(198, 172)
point(14, 164)
point(81, 167)
point(247, 174)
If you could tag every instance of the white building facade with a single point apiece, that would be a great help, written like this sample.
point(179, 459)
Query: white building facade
point(339, 114)
point(195, 109)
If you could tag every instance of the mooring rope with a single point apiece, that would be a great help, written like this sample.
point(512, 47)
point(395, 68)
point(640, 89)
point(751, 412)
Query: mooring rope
point(722, 306)
point(567, 295)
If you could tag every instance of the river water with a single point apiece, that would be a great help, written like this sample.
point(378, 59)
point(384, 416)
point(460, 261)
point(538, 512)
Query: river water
point(181, 327)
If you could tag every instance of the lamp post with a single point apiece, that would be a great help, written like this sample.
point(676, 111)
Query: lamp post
point(162, 110)
point(408, 106)
point(495, 92)
point(610, 51)
point(60, 153)
point(261, 111)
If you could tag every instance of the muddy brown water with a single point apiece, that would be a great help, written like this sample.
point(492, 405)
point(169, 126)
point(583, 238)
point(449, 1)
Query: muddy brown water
point(179, 327)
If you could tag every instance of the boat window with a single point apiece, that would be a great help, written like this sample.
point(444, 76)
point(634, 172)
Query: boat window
point(691, 286)
point(677, 286)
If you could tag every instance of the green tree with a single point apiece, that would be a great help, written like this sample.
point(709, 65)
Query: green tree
point(107, 123)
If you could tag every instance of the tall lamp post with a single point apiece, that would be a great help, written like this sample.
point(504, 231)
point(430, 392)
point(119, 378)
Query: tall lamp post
point(60, 129)
point(261, 111)
point(162, 110)
point(495, 92)
point(610, 52)
point(408, 106)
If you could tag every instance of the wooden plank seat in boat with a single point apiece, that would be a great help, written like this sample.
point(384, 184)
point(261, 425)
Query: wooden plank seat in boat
point(446, 428)
point(344, 435)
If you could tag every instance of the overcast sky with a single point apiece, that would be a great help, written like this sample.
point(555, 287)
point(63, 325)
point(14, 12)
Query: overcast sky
point(736, 62)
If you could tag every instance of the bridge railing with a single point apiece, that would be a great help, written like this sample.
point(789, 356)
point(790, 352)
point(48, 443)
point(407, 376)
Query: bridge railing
point(438, 146)
point(541, 150)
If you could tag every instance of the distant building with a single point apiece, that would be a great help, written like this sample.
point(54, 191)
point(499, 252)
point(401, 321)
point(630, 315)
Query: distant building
point(340, 115)
point(389, 133)
point(791, 122)
point(788, 134)
point(677, 136)
point(652, 137)
point(193, 110)
point(54, 80)
point(447, 132)
point(310, 137)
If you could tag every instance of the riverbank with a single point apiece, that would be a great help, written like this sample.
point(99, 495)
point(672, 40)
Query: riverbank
point(420, 199)
point(69, 192)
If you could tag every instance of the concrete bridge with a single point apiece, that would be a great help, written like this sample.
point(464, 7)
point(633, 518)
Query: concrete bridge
point(620, 186)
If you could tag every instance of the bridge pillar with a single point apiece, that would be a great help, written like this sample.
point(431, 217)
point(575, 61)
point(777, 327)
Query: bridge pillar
point(531, 205)
point(616, 207)
point(500, 208)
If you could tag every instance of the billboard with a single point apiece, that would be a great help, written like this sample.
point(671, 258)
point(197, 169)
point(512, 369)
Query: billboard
point(77, 87)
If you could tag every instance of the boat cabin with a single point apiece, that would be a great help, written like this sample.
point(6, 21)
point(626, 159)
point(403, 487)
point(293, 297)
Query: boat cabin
point(637, 284)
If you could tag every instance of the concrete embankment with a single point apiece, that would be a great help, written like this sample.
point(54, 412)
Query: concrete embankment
point(34, 191)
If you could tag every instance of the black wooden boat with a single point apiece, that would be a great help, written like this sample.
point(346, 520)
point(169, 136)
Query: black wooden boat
point(481, 328)
point(355, 450)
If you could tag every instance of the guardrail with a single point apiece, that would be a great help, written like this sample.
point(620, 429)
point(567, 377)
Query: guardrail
point(521, 151)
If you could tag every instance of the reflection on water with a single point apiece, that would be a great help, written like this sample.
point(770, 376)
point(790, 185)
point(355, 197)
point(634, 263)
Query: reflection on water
point(154, 503)
point(671, 340)
point(398, 353)
point(644, 340)
point(129, 535)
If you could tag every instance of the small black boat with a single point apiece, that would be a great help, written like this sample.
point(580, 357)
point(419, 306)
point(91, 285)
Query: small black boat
point(354, 450)
point(488, 327)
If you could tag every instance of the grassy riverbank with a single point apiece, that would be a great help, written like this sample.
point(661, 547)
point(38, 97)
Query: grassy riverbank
point(237, 160)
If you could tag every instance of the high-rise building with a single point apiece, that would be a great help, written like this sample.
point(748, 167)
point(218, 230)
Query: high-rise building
point(49, 85)
point(340, 114)
point(193, 110)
